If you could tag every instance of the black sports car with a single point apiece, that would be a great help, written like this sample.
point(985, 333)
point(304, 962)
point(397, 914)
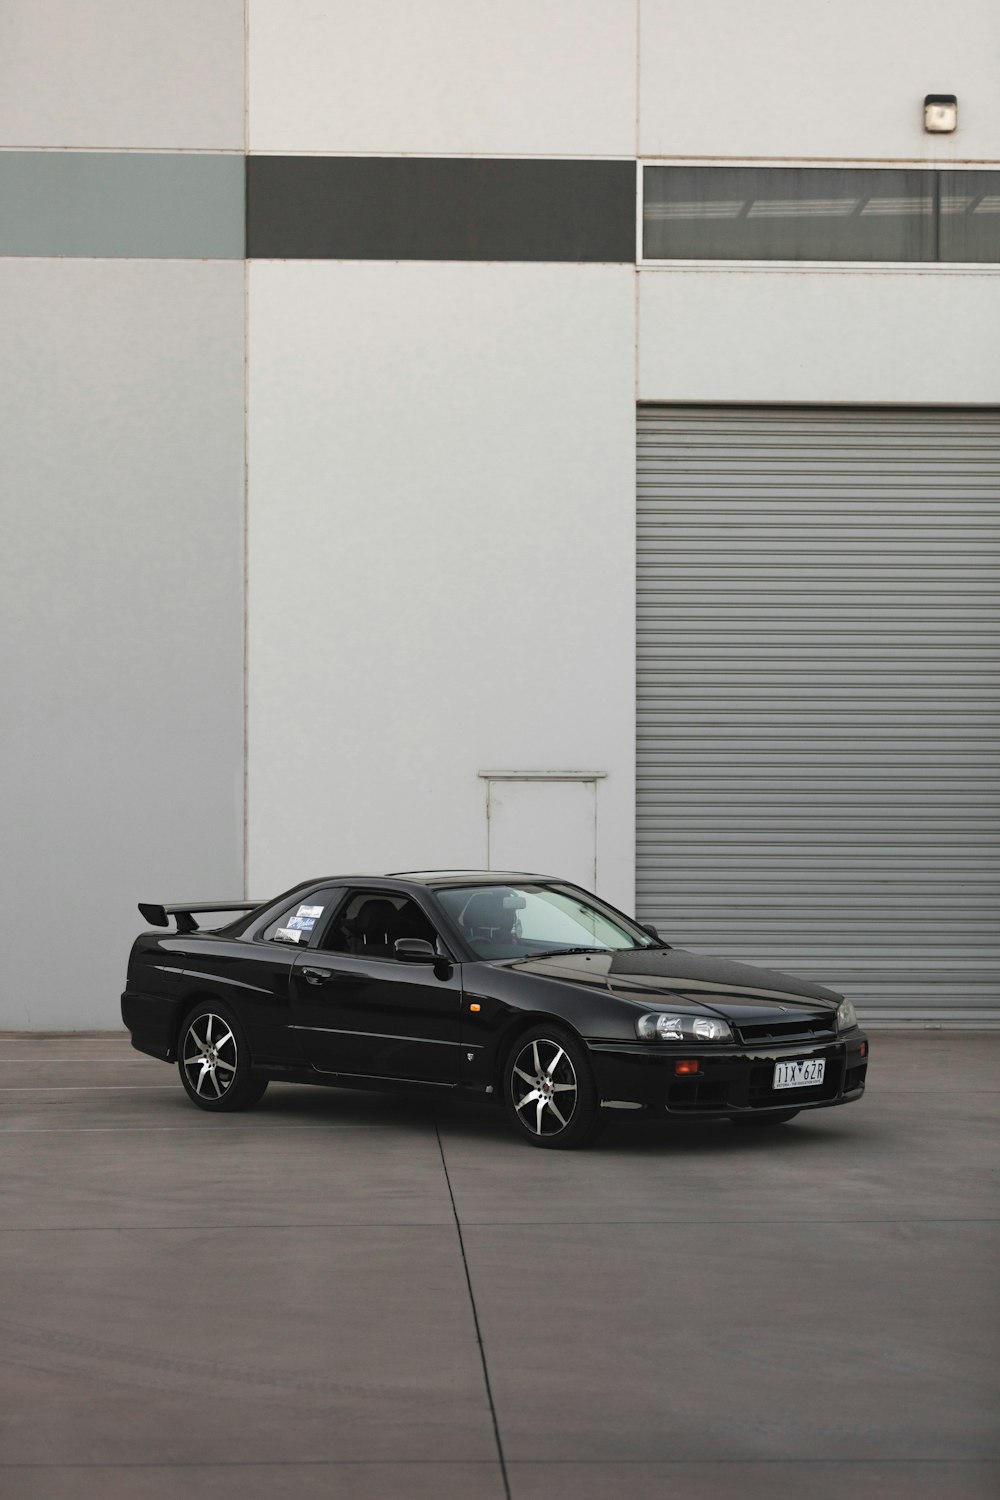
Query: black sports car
point(518, 988)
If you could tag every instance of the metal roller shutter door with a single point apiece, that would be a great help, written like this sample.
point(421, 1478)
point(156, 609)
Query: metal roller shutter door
point(818, 763)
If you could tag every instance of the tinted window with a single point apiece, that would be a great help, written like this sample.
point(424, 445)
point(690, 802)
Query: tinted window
point(970, 216)
point(368, 924)
point(296, 925)
point(830, 213)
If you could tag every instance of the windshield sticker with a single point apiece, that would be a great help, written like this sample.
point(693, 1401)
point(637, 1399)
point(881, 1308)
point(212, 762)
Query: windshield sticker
point(302, 924)
point(310, 911)
point(287, 935)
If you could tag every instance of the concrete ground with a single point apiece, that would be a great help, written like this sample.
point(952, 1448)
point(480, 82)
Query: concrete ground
point(342, 1295)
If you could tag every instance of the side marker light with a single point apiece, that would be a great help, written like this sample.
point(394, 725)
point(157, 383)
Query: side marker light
point(475, 1007)
point(686, 1065)
point(864, 1049)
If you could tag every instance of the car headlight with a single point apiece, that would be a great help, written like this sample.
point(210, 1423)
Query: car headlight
point(659, 1026)
point(847, 1016)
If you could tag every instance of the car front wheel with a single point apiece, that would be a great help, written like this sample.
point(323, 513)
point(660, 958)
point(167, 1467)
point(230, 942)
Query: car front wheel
point(213, 1059)
point(549, 1090)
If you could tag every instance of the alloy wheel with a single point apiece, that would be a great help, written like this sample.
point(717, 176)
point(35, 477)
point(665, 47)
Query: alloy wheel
point(543, 1086)
point(209, 1056)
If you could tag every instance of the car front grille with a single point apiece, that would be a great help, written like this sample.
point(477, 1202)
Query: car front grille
point(802, 1028)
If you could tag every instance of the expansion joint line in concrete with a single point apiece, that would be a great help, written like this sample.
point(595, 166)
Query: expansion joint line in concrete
point(475, 1312)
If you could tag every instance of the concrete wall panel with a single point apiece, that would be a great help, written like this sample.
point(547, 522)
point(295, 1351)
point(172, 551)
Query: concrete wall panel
point(121, 477)
point(844, 80)
point(459, 77)
point(441, 531)
point(163, 74)
point(858, 337)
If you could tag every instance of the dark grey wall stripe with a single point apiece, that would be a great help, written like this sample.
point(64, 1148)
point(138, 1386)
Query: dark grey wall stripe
point(407, 208)
point(122, 204)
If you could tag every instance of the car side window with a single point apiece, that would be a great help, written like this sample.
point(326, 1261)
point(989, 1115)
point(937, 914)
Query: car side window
point(369, 923)
point(296, 925)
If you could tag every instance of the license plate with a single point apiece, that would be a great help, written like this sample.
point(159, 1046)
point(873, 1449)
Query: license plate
point(803, 1073)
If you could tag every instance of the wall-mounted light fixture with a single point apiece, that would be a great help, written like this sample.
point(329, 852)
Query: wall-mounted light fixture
point(940, 113)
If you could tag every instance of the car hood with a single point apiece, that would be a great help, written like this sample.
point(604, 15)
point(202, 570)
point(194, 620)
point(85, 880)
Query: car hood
point(720, 984)
point(699, 974)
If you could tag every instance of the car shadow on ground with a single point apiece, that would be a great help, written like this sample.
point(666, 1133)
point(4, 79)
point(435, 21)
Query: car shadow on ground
point(626, 1131)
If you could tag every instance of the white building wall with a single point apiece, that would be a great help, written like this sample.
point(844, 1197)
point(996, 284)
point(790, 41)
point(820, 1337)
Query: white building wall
point(121, 576)
point(451, 77)
point(441, 573)
point(134, 75)
point(121, 490)
point(802, 334)
point(790, 83)
point(785, 79)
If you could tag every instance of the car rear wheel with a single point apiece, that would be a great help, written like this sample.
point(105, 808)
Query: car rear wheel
point(781, 1118)
point(549, 1090)
point(213, 1059)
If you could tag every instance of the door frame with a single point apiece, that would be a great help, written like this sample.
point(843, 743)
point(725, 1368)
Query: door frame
point(491, 777)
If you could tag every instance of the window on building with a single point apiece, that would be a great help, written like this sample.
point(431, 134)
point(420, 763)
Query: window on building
point(828, 213)
point(969, 223)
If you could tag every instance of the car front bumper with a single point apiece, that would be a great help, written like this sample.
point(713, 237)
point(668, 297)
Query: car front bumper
point(731, 1080)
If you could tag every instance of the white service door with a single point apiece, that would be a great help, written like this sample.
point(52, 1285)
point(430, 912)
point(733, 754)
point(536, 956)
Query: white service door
point(544, 828)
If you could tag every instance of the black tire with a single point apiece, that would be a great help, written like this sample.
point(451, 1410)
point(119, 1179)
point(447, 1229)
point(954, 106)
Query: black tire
point(549, 1090)
point(780, 1118)
point(213, 1059)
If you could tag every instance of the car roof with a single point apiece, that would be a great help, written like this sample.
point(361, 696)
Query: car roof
point(427, 878)
point(460, 877)
point(401, 880)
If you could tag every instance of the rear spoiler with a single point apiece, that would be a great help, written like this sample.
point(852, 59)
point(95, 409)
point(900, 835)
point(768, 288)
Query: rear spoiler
point(159, 916)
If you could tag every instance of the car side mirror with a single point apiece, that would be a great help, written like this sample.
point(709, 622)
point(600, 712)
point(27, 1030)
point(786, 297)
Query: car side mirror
point(648, 927)
point(415, 951)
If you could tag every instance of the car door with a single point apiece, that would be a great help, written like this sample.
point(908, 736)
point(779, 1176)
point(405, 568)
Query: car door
point(360, 1011)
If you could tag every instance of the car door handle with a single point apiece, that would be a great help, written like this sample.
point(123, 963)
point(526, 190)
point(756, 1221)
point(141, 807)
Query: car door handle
point(316, 976)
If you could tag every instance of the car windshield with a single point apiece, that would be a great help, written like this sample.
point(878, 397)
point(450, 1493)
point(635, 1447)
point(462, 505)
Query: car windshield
point(525, 921)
